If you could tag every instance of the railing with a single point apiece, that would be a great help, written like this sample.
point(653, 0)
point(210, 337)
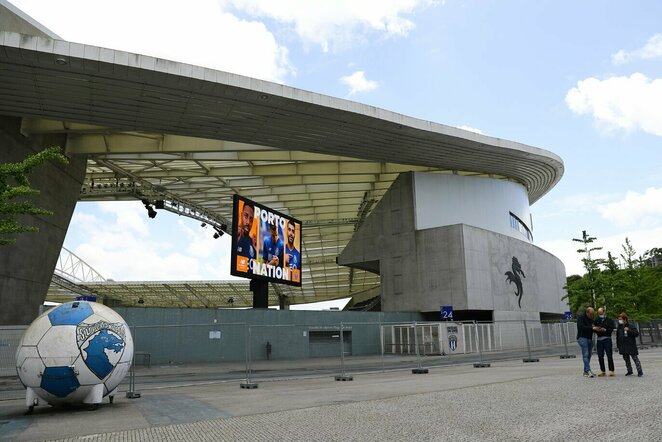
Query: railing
point(239, 351)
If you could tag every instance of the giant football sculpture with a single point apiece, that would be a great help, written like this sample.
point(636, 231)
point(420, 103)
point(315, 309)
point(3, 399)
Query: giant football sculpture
point(76, 353)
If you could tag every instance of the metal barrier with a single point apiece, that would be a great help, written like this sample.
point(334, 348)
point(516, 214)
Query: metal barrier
point(650, 333)
point(10, 337)
point(250, 353)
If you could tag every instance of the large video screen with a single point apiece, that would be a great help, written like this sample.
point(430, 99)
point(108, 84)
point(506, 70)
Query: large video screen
point(266, 244)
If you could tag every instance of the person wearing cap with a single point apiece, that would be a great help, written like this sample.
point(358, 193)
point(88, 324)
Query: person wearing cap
point(626, 341)
point(604, 343)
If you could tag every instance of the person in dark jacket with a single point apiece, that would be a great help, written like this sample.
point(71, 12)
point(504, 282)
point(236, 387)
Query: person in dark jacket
point(585, 329)
point(626, 341)
point(604, 343)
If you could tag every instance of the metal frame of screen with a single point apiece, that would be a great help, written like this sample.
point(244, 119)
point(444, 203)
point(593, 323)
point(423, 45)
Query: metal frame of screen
point(247, 263)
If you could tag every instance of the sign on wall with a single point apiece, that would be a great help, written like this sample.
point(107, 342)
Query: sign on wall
point(446, 312)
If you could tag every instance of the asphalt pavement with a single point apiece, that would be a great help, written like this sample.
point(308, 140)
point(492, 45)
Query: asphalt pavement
point(511, 400)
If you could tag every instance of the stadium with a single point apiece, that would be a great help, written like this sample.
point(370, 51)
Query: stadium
point(397, 213)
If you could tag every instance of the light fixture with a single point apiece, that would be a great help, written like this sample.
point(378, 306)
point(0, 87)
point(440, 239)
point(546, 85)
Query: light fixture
point(150, 210)
point(203, 225)
point(219, 231)
point(61, 61)
point(141, 300)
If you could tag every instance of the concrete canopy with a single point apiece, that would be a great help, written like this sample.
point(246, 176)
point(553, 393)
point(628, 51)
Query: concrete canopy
point(168, 130)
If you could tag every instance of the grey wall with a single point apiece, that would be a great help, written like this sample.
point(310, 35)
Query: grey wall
point(26, 268)
point(182, 335)
point(459, 265)
point(465, 267)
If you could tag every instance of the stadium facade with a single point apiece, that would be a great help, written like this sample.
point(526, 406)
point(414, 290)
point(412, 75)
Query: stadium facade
point(416, 214)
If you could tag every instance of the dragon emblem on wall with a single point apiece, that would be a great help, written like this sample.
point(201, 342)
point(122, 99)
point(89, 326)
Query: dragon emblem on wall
point(514, 277)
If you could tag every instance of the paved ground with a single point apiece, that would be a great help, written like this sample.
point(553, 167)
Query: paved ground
point(510, 401)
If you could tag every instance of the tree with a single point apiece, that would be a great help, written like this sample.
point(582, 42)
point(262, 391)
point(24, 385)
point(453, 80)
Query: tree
point(579, 293)
point(653, 257)
point(635, 288)
point(15, 193)
point(592, 266)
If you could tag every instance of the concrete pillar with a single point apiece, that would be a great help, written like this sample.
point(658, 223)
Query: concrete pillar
point(26, 268)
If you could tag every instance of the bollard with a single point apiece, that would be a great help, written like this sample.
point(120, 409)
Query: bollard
point(480, 364)
point(132, 393)
point(528, 346)
point(418, 369)
point(381, 337)
point(248, 384)
point(342, 376)
point(565, 342)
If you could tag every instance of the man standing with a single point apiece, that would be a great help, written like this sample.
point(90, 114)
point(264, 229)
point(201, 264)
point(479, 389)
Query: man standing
point(292, 255)
point(245, 244)
point(272, 252)
point(585, 329)
point(605, 328)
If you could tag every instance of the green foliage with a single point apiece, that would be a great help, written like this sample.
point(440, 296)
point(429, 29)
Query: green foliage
point(591, 265)
point(634, 287)
point(15, 193)
point(579, 293)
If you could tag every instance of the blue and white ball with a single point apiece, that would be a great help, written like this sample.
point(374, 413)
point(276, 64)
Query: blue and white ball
point(78, 352)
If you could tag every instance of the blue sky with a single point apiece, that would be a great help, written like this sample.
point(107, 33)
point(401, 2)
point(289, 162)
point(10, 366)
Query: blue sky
point(581, 79)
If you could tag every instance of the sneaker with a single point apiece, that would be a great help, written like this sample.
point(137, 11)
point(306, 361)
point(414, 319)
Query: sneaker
point(640, 374)
point(611, 373)
point(590, 374)
point(629, 373)
point(586, 374)
point(601, 374)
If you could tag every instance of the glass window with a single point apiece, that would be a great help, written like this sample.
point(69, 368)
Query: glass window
point(518, 225)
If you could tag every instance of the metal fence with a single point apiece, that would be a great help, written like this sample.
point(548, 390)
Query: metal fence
point(447, 338)
point(250, 352)
point(650, 332)
point(10, 336)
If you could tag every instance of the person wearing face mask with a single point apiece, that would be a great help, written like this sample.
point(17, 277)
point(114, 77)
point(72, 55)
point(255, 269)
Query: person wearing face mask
point(626, 341)
point(605, 327)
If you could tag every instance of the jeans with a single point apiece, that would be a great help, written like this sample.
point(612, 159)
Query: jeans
point(586, 345)
point(605, 346)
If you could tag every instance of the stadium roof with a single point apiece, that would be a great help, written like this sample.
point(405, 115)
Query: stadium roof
point(192, 136)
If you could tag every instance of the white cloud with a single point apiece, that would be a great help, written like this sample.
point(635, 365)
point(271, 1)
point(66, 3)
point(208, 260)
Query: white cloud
point(636, 209)
point(637, 215)
point(652, 49)
point(627, 103)
point(578, 203)
point(201, 33)
point(120, 242)
point(337, 22)
point(357, 82)
point(566, 250)
point(470, 129)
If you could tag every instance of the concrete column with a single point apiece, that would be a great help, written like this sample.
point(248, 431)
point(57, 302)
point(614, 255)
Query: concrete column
point(26, 268)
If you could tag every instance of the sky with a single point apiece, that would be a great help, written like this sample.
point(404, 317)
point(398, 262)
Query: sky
point(580, 79)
